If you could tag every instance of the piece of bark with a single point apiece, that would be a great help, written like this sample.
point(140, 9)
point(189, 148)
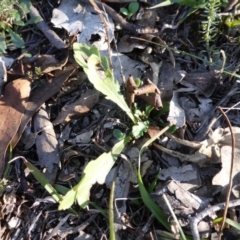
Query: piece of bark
point(12, 108)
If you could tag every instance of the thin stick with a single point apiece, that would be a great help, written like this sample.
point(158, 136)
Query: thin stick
point(231, 174)
point(195, 220)
point(47, 31)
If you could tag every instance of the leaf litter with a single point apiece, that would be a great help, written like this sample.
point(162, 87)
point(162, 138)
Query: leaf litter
point(65, 129)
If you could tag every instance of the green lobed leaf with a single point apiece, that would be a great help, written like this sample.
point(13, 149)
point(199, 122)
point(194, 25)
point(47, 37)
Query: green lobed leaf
point(80, 54)
point(95, 172)
point(33, 20)
point(19, 23)
point(133, 7)
point(124, 11)
point(139, 129)
point(16, 39)
point(118, 134)
point(3, 26)
point(100, 75)
point(25, 6)
point(104, 62)
point(148, 110)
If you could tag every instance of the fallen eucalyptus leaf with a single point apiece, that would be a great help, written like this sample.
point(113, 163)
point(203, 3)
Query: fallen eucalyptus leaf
point(12, 108)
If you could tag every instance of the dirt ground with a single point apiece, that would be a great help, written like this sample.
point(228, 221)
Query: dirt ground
point(174, 67)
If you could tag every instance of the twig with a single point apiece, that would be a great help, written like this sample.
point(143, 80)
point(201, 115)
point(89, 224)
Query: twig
point(230, 5)
point(194, 158)
point(223, 62)
point(195, 220)
point(119, 19)
point(184, 142)
point(234, 71)
point(49, 33)
point(224, 14)
point(231, 174)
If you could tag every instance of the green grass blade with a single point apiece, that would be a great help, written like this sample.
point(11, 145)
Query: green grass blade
point(103, 212)
point(45, 183)
point(154, 183)
point(111, 209)
point(151, 205)
point(174, 217)
point(43, 180)
point(229, 221)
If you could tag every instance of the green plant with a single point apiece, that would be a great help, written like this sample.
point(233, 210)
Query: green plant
point(132, 9)
point(100, 75)
point(36, 76)
point(210, 25)
point(228, 221)
point(210, 21)
point(12, 14)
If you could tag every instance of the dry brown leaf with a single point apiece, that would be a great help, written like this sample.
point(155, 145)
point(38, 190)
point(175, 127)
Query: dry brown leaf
point(39, 96)
point(46, 145)
point(153, 130)
point(49, 63)
point(20, 69)
point(226, 136)
point(79, 107)
point(222, 178)
point(12, 108)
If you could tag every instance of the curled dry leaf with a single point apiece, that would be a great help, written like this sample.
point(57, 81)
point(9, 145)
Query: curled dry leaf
point(12, 108)
point(79, 107)
point(130, 88)
point(153, 97)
